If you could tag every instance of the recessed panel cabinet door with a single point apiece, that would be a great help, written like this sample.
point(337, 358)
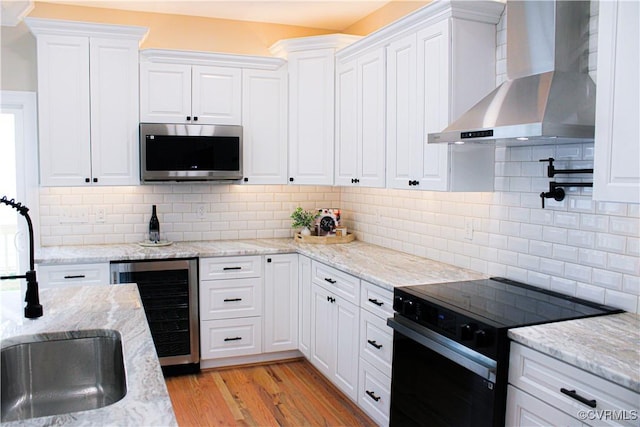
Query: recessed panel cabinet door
point(216, 95)
point(165, 93)
point(347, 135)
point(617, 144)
point(311, 111)
point(281, 303)
point(323, 340)
point(64, 110)
point(114, 111)
point(264, 121)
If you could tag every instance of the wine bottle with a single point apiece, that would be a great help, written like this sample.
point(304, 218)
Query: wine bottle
point(154, 226)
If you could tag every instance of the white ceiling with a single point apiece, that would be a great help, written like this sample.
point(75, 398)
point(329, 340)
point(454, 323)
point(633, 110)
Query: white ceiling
point(327, 14)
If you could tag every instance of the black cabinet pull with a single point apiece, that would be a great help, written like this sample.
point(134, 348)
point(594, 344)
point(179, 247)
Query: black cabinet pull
point(233, 339)
point(77, 276)
point(373, 395)
point(195, 118)
point(95, 179)
point(232, 299)
point(268, 259)
point(331, 299)
point(330, 280)
point(375, 344)
point(188, 118)
point(231, 268)
point(376, 302)
point(246, 179)
point(290, 179)
point(87, 180)
point(572, 393)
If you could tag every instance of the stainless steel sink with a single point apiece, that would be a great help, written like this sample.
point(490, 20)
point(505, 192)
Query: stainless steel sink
point(64, 372)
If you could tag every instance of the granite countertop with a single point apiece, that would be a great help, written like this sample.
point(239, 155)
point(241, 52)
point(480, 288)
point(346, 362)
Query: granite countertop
point(78, 308)
point(607, 346)
point(382, 266)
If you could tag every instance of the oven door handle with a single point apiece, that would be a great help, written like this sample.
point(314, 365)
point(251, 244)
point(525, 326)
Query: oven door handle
point(457, 353)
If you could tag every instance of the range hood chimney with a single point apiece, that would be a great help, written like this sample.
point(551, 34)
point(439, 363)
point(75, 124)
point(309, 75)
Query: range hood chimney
point(548, 97)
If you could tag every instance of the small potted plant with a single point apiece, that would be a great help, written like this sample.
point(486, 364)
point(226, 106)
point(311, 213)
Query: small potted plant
point(303, 220)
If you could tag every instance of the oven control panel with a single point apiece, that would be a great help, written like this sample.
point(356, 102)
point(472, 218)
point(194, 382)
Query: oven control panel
point(468, 331)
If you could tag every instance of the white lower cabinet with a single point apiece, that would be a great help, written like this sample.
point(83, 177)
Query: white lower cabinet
point(230, 306)
point(376, 352)
point(54, 276)
point(335, 327)
point(546, 391)
point(280, 303)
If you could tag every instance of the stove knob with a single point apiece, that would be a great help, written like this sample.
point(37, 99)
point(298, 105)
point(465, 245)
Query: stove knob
point(409, 308)
point(481, 338)
point(398, 303)
point(467, 331)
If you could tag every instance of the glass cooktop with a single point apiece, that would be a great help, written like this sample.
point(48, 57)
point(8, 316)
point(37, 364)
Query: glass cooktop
point(507, 303)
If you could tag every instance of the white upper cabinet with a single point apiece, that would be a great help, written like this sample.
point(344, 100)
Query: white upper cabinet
point(87, 102)
point(617, 147)
point(311, 62)
point(264, 120)
point(360, 120)
point(179, 93)
point(435, 71)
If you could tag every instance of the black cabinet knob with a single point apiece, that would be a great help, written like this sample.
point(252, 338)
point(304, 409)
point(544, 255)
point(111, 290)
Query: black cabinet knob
point(246, 179)
point(195, 118)
point(291, 179)
point(87, 180)
point(188, 118)
point(95, 179)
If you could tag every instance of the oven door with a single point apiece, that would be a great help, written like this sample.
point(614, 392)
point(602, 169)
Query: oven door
point(438, 382)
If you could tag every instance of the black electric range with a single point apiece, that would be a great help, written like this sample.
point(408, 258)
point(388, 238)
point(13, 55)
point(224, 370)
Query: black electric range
point(451, 346)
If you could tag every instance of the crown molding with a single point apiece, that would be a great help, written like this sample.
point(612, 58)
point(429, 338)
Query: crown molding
point(486, 11)
point(13, 12)
point(210, 58)
point(284, 47)
point(42, 26)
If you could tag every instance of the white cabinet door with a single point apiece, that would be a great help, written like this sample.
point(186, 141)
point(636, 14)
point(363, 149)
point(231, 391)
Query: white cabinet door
point(64, 110)
point(264, 121)
point(346, 332)
point(347, 135)
point(280, 303)
point(165, 93)
point(404, 149)
point(216, 95)
point(114, 111)
point(371, 119)
point(304, 315)
point(617, 144)
point(311, 116)
point(433, 103)
point(322, 331)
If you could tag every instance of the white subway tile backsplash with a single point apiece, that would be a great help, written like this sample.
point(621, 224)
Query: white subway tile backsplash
point(610, 243)
point(623, 263)
point(621, 300)
point(565, 253)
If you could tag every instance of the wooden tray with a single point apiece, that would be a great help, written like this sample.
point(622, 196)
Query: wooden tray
point(324, 240)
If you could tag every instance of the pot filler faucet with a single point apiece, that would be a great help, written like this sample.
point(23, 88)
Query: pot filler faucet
point(33, 309)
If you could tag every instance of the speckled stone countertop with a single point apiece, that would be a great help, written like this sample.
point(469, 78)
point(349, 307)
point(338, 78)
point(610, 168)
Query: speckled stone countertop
point(607, 346)
point(382, 266)
point(82, 308)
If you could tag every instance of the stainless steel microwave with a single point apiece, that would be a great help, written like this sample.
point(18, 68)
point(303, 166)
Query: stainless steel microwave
point(188, 152)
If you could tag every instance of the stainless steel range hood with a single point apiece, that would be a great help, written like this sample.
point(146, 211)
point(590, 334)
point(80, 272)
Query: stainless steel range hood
point(548, 98)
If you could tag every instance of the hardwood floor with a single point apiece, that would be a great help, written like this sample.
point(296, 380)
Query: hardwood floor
point(291, 393)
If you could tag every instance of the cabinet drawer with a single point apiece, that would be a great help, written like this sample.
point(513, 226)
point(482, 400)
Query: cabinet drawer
point(230, 267)
point(525, 410)
point(225, 299)
point(339, 283)
point(374, 393)
point(544, 377)
point(52, 276)
point(376, 300)
point(376, 341)
point(230, 337)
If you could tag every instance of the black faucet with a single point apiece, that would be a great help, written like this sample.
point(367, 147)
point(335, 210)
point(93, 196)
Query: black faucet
point(33, 309)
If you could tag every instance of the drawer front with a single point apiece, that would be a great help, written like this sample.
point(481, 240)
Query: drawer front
point(376, 341)
point(53, 276)
point(525, 410)
point(376, 300)
point(374, 393)
point(235, 267)
point(544, 377)
point(225, 299)
point(336, 281)
point(230, 337)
